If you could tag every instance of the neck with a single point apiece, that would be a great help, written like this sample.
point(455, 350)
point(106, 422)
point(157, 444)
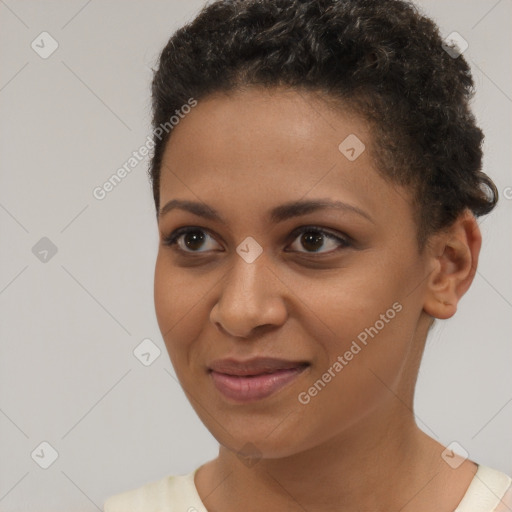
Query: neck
point(380, 475)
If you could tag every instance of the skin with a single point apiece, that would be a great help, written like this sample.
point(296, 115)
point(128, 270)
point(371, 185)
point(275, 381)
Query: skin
point(356, 442)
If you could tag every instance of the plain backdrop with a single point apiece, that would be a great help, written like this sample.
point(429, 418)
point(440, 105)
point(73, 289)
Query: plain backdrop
point(71, 317)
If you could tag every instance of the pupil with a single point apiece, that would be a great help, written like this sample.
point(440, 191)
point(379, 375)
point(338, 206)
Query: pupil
point(196, 236)
point(311, 238)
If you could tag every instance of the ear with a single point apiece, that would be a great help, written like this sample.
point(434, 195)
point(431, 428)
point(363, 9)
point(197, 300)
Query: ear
point(453, 256)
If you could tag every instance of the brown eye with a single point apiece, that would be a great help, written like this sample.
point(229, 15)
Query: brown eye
point(314, 239)
point(192, 239)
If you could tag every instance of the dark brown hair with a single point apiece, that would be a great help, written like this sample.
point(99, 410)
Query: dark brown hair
point(383, 60)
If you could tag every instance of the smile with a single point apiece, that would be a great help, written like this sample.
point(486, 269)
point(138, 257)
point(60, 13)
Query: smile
point(255, 379)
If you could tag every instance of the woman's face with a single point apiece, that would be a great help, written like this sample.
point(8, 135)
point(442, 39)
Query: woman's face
point(335, 294)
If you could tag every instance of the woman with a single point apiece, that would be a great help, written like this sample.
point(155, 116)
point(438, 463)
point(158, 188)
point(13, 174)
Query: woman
point(317, 178)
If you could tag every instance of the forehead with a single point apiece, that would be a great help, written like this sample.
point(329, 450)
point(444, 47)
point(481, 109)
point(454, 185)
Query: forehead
point(259, 148)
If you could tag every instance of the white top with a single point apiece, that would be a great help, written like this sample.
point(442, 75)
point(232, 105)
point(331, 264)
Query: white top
point(489, 491)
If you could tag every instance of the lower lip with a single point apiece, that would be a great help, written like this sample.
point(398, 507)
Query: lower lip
point(249, 389)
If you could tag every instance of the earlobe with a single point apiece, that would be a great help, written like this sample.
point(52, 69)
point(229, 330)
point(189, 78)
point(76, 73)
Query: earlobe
point(454, 260)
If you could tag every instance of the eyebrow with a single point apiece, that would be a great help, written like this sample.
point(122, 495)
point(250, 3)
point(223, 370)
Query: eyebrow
point(278, 214)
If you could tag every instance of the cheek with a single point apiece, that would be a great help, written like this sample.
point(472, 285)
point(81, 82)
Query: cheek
point(181, 303)
point(166, 286)
point(174, 299)
point(347, 306)
point(358, 379)
point(176, 293)
point(365, 333)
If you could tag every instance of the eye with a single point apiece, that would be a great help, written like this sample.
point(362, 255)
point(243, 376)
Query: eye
point(315, 238)
point(190, 239)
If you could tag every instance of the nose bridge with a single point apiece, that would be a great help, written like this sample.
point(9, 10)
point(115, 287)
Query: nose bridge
point(246, 275)
point(249, 296)
point(246, 282)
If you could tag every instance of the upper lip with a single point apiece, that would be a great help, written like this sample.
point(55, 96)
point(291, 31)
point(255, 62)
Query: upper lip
point(255, 366)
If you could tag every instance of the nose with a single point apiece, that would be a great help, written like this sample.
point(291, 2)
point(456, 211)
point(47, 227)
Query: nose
point(251, 297)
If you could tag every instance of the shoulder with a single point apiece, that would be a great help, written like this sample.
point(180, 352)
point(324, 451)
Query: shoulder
point(505, 504)
point(489, 491)
point(169, 494)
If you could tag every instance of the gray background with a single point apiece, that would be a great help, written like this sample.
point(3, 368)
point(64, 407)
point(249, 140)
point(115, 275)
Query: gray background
point(69, 326)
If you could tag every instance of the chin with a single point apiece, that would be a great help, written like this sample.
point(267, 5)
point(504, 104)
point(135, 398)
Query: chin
point(259, 438)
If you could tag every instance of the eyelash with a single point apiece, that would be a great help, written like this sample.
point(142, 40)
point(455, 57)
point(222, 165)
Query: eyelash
point(172, 239)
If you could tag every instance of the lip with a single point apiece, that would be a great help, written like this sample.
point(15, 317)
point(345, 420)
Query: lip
point(253, 379)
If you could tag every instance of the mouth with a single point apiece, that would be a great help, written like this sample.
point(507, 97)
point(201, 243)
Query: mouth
point(255, 379)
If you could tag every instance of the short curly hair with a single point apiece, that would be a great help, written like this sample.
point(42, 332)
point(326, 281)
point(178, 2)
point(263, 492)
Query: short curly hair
point(386, 61)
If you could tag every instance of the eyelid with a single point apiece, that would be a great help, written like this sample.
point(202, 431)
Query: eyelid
point(344, 240)
point(340, 237)
point(171, 239)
